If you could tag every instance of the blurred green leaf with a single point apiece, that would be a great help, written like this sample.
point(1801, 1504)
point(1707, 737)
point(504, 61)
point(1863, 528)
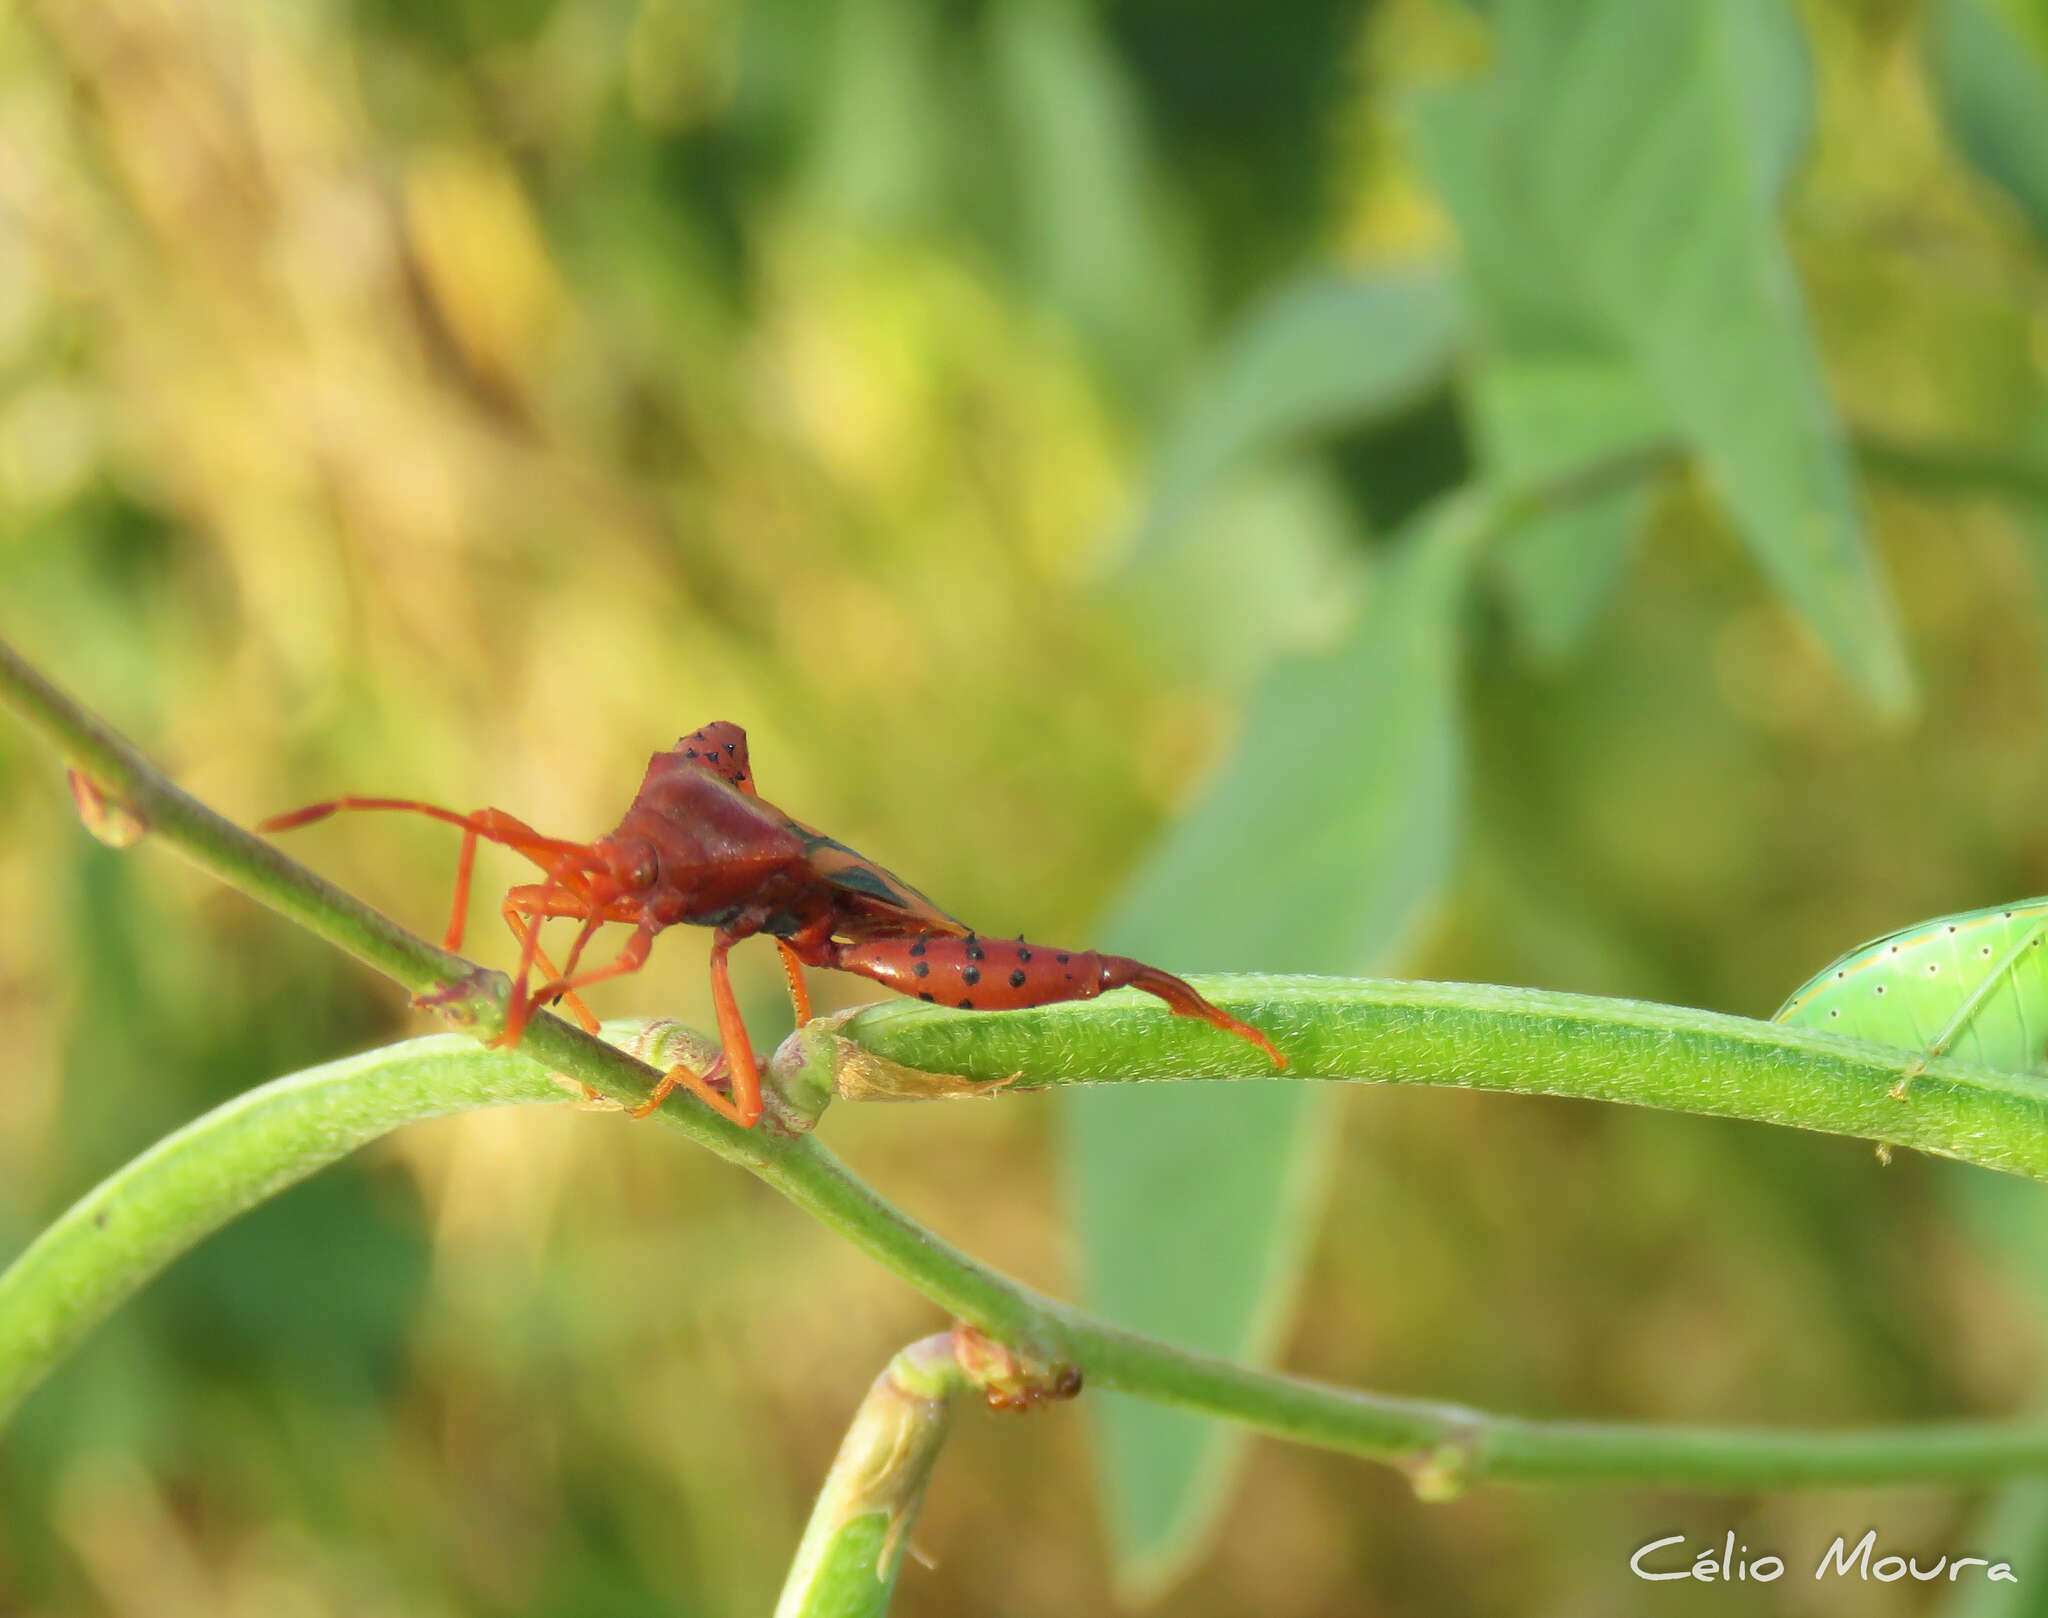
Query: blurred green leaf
point(1525, 296)
point(2014, 1528)
point(1537, 419)
point(1615, 186)
point(1318, 847)
point(1093, 229)
point(1269, 564)
point(2007, 1220)
point(879, 151)
point(1771, 80)
point(1994, 94)
point(1323, 353)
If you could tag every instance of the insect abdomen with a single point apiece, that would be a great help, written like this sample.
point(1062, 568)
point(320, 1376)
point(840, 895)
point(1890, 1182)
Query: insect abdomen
point(979, 974)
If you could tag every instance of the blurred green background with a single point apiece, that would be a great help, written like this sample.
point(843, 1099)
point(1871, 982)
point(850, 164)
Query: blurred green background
point(463, 400)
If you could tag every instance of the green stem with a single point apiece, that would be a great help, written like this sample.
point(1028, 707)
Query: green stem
point(860, 1527)
point(216, 845)
point(1473, 1035)
point(123, 1232)
point(127, 1228)
point(1953, 468)
point(1508, 1039)
point(469, 996)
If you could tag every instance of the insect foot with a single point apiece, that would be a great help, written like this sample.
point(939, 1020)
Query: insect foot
point(689, 1061)
point(1007, 1381)
point(1443, 1470)
point(474, 1000)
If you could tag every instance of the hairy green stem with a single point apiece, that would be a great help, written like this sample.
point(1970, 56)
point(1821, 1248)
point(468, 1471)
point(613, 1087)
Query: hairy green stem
point(1429, 1033)
point(469, 996)
point(1470, 1034)
point(216, 845)
point(123, 1232)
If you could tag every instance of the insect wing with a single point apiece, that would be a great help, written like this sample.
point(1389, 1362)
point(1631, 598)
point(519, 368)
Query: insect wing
point(878, 895)
point(881, 896)
point(1908, 987)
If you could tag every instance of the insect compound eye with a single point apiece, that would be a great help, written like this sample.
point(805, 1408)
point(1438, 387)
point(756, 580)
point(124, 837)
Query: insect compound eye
point(635, 866)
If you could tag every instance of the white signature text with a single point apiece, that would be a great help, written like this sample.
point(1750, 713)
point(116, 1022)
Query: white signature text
point(1728, 1563)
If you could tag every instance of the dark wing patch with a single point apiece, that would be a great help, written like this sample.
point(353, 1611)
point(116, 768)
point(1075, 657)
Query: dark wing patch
point(885, 897)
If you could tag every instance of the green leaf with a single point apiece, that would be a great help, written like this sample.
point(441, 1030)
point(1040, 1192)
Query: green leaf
point(1526, 297)
point(1994, 94)
point(1324, 353)
point(1318, 847)
point(1093, 232)
point(1270, 563)
point(2014, 1528)
point(1538, 419)
point(1772, 85)
point(1614, 187)
point(876, 157)
point(1559, 571)
point(2005, 1220)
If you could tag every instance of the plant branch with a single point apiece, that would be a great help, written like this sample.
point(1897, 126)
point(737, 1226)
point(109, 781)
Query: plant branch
point(111, 1242)
point(1953, 468)
point(119, 1235)
point(854, 1544)
point(1474, 1035)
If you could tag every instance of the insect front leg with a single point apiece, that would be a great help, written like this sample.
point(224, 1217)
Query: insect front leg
point(521, 930)
point(629, 959)
point(536, 902)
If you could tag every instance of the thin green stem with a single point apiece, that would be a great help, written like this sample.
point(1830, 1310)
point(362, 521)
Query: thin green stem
point(1953, 468)
point(1474, 1035)
point(127, 1228)
point(216, 845)
point(123, 1232)
point(860, 1527)
point(470, 996)
point(1428, 1033)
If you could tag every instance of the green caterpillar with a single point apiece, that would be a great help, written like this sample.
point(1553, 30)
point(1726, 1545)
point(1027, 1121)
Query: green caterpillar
point(1972, 985)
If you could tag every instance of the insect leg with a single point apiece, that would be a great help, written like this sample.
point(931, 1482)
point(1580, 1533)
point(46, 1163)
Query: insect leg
point(559, 858)
point(743, 1106)
point(465, 867)
point(520, 926)
point(494, 825)
point(539, 900)
point(629, 959)
point(799, 990)
point(564, 862)
point(1967, 1010)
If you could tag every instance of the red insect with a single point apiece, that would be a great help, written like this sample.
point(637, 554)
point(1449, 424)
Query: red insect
point(699, 845)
